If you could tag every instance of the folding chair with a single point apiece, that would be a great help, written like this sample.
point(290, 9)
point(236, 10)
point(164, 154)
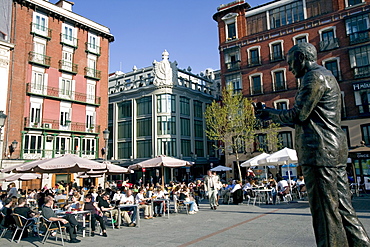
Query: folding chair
point(21, 223)
point(51, 228)
point(3, 228)
point(180, 205)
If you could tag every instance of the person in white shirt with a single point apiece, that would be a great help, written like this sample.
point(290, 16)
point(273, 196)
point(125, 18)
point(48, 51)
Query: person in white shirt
point(283, 188)
point(117, 196)
point(158, 205)
point(143, 204)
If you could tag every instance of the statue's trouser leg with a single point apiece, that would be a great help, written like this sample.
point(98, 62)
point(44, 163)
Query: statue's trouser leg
point(322, 191)
point(355, 231)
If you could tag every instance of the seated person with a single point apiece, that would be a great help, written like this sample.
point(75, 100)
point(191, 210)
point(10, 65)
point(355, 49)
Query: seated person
point(283, 188)
point(26, 212)
point(69, 221)
point(60, 196)
point(128, 199)
point(184, 195)
point(143, 204)
point(2, 200)
point(7, 211)
point(158, 205)
point(105, 207)
point(117, 196)
point(96, 215)
point(237, 193)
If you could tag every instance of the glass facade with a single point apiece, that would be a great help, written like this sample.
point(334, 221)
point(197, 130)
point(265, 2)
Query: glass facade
point(124, 150)
point(125, 109)
point(144, 127)
point(185, 148)
point(198, 128)
point(198, 110)
point(144, 105)
point(286, 14)
point(167, 146)
point(166, 125)
point(184, 106)
point(166, 103)
point(199, 149)
point(144, 149)
point(124, 129)
point(185, 126)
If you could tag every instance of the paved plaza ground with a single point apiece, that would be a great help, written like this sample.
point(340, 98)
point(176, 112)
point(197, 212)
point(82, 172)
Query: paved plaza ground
point(287, 225)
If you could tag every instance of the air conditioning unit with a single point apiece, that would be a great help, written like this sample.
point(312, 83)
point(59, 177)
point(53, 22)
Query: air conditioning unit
point(47, 125)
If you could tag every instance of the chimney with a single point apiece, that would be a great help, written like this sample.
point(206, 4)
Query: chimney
point(65, 4)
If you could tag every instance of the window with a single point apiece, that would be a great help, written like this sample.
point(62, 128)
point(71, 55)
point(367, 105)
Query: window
point(362, 99)
point(235, 82)
point(35, 114)
point(231, 27)
point(357, 28)
point(232, 60)
point(184, 106)
point(198, 109)
point(300, 38)
point(38, 83)
point(318, 7)
point(256, 23)
point(66, 87)
point(211, 148)
point(185, 126)
point(254, 57)
point(354, 2)
point(328, 39)
point(256, 84)
point(281, 104)
point(62, 145)
point(166, 125)
point(144, 149)
point(198, 128)
point(88, 146)
point(359, 59)
point(91, 67)
point(66, 62)
point(199, 148)
point(285, 139)
point(231, 31)
point(124, 129)
point(333, 66)
point(93, 43)
point(39, 53)
point(366, 133)
point(346, 131)
point(185, 148)
point(68, 35)
point(279, 80)
point(261, 143)
point(90, 94)
point(90, 119)
point(166, 103)
point(124, 150)
point(124, 109)
point(167, 146)
point(65, 117)
point(276, 52)
point(286, 14)
point(144, 105)
point(40, 24)
point(32, 144)
point(144, 127)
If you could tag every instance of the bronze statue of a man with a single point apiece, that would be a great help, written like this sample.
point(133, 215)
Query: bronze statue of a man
point(322, 149)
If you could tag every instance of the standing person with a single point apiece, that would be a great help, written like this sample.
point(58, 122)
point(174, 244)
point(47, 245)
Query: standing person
point(12, 190)
point(322, 149)
point(211, 185)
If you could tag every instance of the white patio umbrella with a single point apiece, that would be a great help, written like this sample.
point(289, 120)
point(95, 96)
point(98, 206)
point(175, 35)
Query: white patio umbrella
point(221, 169)
point(284, 156)
point(254, 161)
point(21, 177)
point(160, 161)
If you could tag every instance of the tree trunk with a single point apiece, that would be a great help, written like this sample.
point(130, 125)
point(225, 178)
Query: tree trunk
point(237, 164)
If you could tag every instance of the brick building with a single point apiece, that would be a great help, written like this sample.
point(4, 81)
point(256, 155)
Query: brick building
point(253, 42)
point(57, 98)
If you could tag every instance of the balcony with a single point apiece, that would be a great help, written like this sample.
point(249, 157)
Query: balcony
point(67, 66)
point(92, 73)
point(52, 124)
point(254, 61)
point(39, 30)
point(92, 48)
point(68, 40)
point(275, 57)
point(56, 93)
point(39, 59)
point(235, 65)
point(327, 45)
point(362, 71)
point(359, 37)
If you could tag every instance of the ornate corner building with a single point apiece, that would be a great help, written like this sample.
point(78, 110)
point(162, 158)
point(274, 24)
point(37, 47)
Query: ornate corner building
point(56, 100)
point(253, 42)
point(158, 110)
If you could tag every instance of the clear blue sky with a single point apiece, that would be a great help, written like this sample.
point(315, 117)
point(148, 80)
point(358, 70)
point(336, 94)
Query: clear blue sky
point(143, 29)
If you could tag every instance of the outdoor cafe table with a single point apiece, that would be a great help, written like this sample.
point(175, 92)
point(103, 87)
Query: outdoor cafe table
point(260, 192)
point(129, 207)
point(76, 213)
point(166, 203)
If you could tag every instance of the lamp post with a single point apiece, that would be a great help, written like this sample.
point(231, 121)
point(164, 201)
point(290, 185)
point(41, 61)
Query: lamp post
point(12, 147)
point(106, 133)
point(2, 123)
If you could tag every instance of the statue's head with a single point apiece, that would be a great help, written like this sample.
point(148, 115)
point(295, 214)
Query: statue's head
point(299, 56)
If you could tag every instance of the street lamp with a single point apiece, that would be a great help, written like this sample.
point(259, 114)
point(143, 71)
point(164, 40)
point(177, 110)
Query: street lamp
point(12, 147)
point(106, 133)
